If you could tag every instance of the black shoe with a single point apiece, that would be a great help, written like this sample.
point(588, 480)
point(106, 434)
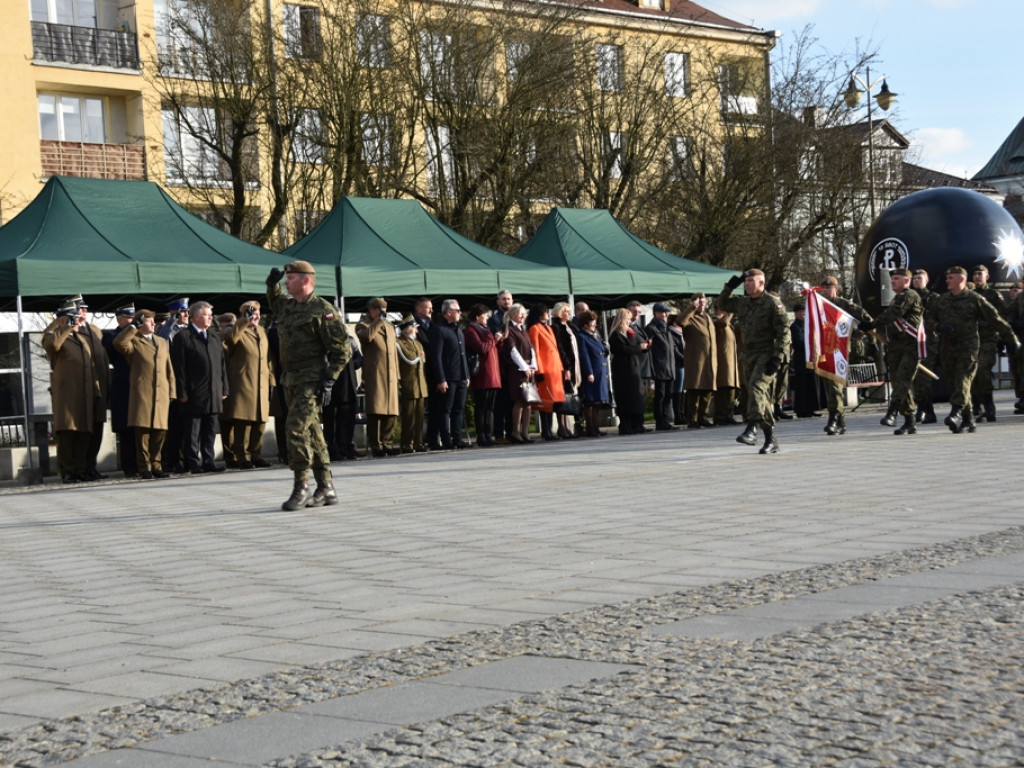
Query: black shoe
point(213, 468)
point(352, 454)
point(954, 420)
point(832, 428)
point(92, 474)
point(261, 464)
point(69, 477)
point(707, 423)
point(841, 424)
point(146, 475)
point(693, 425)
point(664, 428)
point(393, 451)
point(242, 465)
point(159, 474)
point(463, 446)
point(378, 453)
point(909, 426)
point(323, 496)
point(421, 449)
point(781, 414)
point(301, 496)
point(642, 430)
point(749, 435)
point(770, 445)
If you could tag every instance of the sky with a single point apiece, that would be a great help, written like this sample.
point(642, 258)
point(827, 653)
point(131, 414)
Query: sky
point(955, 65)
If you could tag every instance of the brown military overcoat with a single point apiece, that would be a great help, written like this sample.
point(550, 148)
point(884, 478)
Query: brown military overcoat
point(151, 377)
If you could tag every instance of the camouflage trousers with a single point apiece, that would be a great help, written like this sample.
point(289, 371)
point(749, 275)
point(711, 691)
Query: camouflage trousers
point(960, 366)
point(923, 383)
point(307, 448)
point(902, 360)
point(982, 387)
point(761, 389)
point(835, 395)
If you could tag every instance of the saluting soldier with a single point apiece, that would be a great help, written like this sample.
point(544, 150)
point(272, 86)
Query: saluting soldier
point(120, 390)
point(152, 388)
point(250, 382)
point(380, 376)
point(700, 361)
point(902, 319)
point(764, 325)
point(955, 316)
point(835, 391)
point(988, 347)
point(314, 350)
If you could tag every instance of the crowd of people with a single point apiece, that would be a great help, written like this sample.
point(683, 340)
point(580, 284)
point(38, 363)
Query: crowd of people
point(172, 381)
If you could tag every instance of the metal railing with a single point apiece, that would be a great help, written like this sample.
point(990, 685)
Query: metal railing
point(85, 45)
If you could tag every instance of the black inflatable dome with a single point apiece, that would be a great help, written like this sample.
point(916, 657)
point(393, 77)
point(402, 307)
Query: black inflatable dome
point(936, 229)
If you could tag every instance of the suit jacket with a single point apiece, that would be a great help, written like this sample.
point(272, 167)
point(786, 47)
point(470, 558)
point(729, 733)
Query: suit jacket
point(199, 371)
point(446, 354)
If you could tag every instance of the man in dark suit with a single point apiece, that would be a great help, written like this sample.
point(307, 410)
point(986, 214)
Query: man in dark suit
point(663, 367)
point(448, 379)
point(201, 381)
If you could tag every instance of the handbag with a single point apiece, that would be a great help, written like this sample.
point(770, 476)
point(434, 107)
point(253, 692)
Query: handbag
point(528, 393)
point(473, 361)
point(571, 406)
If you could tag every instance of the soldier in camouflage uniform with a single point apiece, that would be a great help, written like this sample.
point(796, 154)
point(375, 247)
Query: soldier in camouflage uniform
point(314, 350)
point(765, 327)
point(988, 350)
point(1015, 317)
point(835, 391)
point(955, 316)
point(923, 394)
point(903, 320)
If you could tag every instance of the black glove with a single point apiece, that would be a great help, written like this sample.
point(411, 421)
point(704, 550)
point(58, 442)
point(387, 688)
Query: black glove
point(866, 325)
point(138, 320)
point(274, 277)
point(734, 282)
point(944, 328)
point(772, 366)
point(250, 311)
point(323, 392)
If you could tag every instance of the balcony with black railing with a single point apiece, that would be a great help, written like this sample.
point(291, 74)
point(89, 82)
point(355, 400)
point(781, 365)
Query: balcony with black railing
point(84, 45)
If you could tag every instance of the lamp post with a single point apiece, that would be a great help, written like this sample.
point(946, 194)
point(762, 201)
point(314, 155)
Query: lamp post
point(852, 96)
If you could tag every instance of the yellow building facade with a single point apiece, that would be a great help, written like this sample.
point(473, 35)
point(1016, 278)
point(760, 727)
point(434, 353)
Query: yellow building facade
point(81, 96)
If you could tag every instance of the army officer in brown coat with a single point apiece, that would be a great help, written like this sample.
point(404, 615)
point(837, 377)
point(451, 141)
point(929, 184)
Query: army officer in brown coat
point(152, 386)
point(250, 380)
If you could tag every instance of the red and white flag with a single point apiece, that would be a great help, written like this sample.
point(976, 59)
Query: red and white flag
point(827, 331)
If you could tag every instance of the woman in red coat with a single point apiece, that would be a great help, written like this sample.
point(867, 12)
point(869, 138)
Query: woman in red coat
point(485, 381)
point(549, 367)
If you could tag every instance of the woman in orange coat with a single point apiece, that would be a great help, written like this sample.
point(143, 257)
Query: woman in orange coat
point(549, 367)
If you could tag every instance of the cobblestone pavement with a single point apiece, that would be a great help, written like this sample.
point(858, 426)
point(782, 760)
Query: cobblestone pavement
point(139, 611)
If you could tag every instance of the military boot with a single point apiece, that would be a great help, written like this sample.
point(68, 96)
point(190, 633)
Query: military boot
point(830, 427)
point(324, 495)
point(749, 436)
point(889, 420)
point(929, 414)
point(909, 426)
point(300, 497)
point(841, 424)
point(770, 445)
point(955, 419)
point(989, 406)
point(968, 421)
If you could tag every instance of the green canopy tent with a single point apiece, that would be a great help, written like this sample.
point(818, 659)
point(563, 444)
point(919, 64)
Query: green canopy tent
point(608, 263)
point(113, 239)
point(394, 248)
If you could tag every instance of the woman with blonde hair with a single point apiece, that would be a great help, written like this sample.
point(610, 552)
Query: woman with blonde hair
point(569, 351)
point(519, 362)
point(627, 373)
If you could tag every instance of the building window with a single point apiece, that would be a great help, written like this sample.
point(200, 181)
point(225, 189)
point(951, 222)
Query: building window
point(614, 154)
point(440, 161)
point(306, 221)
point(63, 117)
point(436, 63)
point(308, 138)
point(189, 140)
point(516, 54)
point(373, 41)
point(301, 31)
point(609, 67)
point(376, 131)
point(677, 75)
point(737, 89)
point(679, 159)
point(75, 13)
point(180, 25)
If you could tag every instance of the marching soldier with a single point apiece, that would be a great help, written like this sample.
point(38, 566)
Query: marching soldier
point(765, 328)
point(923, 384)
point(988, 350)
point(903, 317)
point(955, 316)
point(835, 391)
point(314, 350)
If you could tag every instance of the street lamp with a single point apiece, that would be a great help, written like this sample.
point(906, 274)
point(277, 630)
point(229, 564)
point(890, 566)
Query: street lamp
point(852, 96)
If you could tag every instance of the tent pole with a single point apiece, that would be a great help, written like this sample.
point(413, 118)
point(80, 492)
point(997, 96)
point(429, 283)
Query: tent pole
point(25, 382)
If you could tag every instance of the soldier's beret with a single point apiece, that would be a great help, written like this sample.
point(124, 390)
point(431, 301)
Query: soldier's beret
point(980, 268)
point(226, 318)
point(921, 272)
point(128, 310)
point(753, 272)
point(901, 272)
point(829, 281)
point(1018, 285)
point(956, 271)
point(299, 267)
point(377, 303)
point(177, 305)
point(799, 308)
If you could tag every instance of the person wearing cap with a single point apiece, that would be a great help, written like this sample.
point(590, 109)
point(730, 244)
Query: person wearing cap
point(956, 315)
point(835, 391)
point(225, 323)
point(170, 323)
point(984, 405)
point(924, 393)
point(120, 391)
point(314, 350)
point(152, 388)
point(700, 361)
point(764, 325)
point(380, 377)
point(250, 383)
point(727, 377)
point(413, 391)
point(902, 323)
point(663, 367)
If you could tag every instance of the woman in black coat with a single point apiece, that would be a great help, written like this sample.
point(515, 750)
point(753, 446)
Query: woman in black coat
point(627, 374)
